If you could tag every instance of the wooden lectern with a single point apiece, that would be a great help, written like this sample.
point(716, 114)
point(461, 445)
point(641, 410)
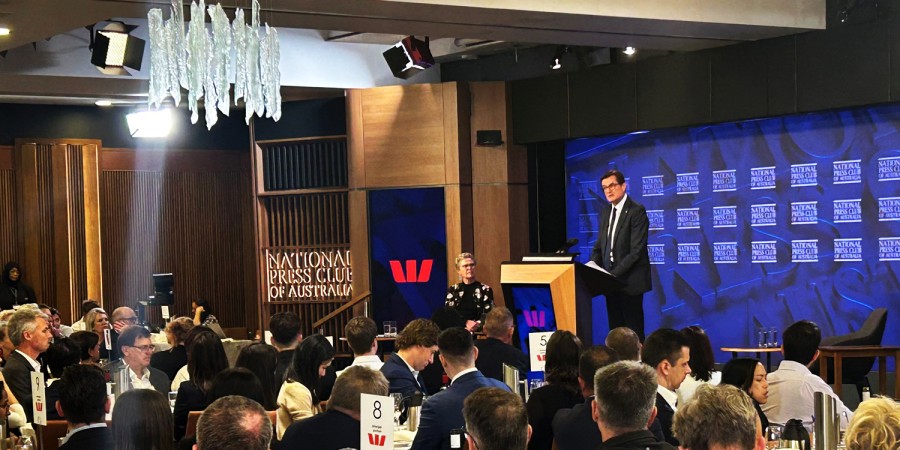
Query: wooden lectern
point(571, 287)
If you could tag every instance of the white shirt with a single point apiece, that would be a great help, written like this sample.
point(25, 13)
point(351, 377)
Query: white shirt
point(369, 361)
point(414, 372)
point(79, 326)
point(612, 231)
point(34, 364)
point(93, 425)
point(140, 382)
point(469, 370)
point(690, 384)
point(669, 396)
point(181, 376)
point(791, 390)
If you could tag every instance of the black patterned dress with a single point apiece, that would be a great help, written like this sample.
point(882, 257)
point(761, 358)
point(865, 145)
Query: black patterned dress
point(471, 300)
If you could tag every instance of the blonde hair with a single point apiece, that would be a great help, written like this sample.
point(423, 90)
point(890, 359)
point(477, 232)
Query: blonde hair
point(875, 425)
point(462, 256)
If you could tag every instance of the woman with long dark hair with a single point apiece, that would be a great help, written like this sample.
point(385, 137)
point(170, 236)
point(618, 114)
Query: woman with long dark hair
point(261, 359)
point(750, 375)
point(142, 420)
point(702, 364)
point(206, 358)
point(14, 291)
point(561, 389)
point(297, 398)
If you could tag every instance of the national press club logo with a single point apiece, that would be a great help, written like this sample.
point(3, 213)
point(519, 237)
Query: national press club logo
point(804, 175)
point(687, 183)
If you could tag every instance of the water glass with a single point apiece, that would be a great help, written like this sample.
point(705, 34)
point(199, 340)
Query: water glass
point(393, 328)
point(398, 407)
point(773, 436)
point(387, 328)
point(772, 340)
point(762, 337)
point(534, 384)
point(172, 396)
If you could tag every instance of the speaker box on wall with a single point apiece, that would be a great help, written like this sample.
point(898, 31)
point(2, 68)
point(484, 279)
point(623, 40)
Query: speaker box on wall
point(409, 57)
point(488, 137)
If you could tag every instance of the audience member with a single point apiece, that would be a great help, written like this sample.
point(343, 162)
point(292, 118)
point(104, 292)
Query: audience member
point(362, 333)
point(719, 418)
point(14, 291)
point(703, 364)
point(792, 386)
point(297, 398)
point(8, 411)
point(122, 317)
point(415, 346)
point(749, 375)
point(497, 348)
point(234, 423)
point(86, 306)
point(84, 404)
point(183, 374)
point(875, 426)
point(286, 335)
point(62, 353)
point(561, 390)
point(669, 352)
point(260, 359)
point(236, 381)
point(443, 411)
point(202, 314)
point(625, 342)
point(6, 345)
point(136, 351)
point(575, 428)
point(433, 376)
point(89, 344)
point(97, 322)
point(338, 427)
point(496, 420)
point(142, 420)
point(624, 407)
point(171, 360)
point(56, 326)
point(29, 331)
point(206, 358)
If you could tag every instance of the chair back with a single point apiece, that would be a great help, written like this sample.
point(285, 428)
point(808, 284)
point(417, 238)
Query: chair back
point(48, 435)
point(191, 428)
point(871, 332)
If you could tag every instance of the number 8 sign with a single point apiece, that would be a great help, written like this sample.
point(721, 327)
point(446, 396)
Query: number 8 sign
point(376, 424)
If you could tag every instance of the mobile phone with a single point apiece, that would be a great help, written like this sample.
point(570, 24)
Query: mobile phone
point(457, 436)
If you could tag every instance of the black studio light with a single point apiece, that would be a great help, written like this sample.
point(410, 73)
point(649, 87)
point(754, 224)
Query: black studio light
point(113, 48)
point(409, 57)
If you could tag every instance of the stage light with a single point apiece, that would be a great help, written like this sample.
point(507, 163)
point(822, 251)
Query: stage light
point(113, 49)
point(4, 31)
point(630, 51)
point(150, 124)
point(409, 57)
point(557, 58)
point(103, 103)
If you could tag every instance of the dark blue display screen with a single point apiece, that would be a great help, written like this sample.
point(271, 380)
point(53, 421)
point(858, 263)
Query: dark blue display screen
point(533, 307)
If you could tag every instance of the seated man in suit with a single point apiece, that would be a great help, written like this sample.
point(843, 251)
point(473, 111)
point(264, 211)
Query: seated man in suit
point(496, 349)
point(623, 407)
point(496, 419)
point(137, 349)
point(362, 334)
point(234, 422)
point(83, 403)
point(415, 346)
point(29, 331)
point(625, 342)
point(338, 427)
point(442, 412)
point(574, 428)
point(719, 418)
point(668, 352)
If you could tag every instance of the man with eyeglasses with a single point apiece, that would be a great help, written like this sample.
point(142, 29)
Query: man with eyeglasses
point(621, 249)
point(137, 349)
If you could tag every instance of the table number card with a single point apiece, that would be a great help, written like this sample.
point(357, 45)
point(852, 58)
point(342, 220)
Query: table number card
point(537, 345)
point(376, 417)
point(164, 309)
point(39, 398)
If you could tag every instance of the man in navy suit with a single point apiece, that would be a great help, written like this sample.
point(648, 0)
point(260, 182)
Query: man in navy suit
point(442, 412)
point(415, 345)
point(621, 249)
point(668, 352)
point(574, 428)
point(83, 403)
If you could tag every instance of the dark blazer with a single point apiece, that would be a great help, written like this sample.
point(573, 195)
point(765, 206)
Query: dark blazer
point(331, 430)
point(90, 439)
point(189, 398)
point(400, 378)
point(492, 354)
point(575, 429)
point(158, 378)
point(51, 395)
point(542, 406)
point(635, 440)
point(24, 294)
point(442, 412)
point(170, 361)
point(632, 263)
point(282, 363)
point(664, 415)
point(17, 373)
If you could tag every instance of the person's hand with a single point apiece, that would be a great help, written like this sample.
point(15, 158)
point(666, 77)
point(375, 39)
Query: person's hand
point(471, 325)
point(12, 441)
point(199, 310)
point(119, 325)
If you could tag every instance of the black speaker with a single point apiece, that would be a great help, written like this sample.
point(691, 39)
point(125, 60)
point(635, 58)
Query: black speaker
point(488, 137)
point(409, 57)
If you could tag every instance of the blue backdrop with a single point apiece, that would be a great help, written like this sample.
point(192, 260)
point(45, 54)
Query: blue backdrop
point(757, 223)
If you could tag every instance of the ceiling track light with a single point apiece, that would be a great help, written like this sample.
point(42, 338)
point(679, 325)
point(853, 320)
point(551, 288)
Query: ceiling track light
point(557, 58)
point(4, 31)
point(630, 51)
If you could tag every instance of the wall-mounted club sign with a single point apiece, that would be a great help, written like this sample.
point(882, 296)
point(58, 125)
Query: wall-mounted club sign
point(307, 274)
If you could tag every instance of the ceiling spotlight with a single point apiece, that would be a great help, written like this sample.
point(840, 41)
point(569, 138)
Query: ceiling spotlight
point(409, 57)
point(4, 31)
point(103, 103)
point(113, 49)
point(556, 65)
point(557, 58)
point(150, 124)
point(630, 51)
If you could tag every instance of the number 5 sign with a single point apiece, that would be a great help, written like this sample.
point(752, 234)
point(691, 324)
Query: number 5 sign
point(537, 348)
point(376, 417)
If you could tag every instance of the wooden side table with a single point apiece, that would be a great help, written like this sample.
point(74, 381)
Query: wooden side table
point(758, 350)
point(860, 351)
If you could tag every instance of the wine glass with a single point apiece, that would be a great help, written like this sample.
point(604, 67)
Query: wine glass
point(773, 436)
point(398, 407)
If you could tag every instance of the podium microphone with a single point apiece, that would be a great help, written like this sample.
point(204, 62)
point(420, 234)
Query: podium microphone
point(569, 244)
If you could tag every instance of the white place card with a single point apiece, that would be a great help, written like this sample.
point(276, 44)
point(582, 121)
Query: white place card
point(537, 348)
point(165, 311)
point(39, 398)
point(376, 418)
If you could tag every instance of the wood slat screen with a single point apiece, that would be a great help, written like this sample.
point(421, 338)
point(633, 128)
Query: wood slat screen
point(9, 244)
point(305, 164)
point(77, 249)
point(46, 291)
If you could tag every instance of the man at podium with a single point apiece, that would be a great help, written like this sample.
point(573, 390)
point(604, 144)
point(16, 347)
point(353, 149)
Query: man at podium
point(621, 249)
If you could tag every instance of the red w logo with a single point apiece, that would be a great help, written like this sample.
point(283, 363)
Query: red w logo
point(410, 275)
point(377, 439)
point(541, 357)
point(535, 319)
point(38, 406)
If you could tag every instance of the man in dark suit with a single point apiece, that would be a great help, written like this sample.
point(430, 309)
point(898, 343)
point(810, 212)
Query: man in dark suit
point(83, 403)
point(29, 331)
point(338, 427)
point(574, 428)
point(623, 406)
point(415, 345)
point(136, 350)
point(442, 412)
point(621, 249)
point(496, 349)
point(668, 352)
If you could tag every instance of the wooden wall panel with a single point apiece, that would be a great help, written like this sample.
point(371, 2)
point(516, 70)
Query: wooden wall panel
point(9, 243)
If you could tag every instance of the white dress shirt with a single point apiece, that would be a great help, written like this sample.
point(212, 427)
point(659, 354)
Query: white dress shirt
point(791, 390)
point(369, 361)
point(140, 382)
point(34, 364)
point(690, 384)
point(668, 395)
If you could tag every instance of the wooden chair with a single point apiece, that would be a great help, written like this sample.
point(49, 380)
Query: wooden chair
point(48, 435)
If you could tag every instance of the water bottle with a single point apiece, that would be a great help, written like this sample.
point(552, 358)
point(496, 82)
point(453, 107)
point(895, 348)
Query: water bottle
point(866, 394)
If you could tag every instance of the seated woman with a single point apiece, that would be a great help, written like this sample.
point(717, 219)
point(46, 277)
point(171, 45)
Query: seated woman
point(202, 314)
point(469, 297)
point(750, 375)
point(142, 420)
point(97, 321)
point(171, 360)
point(89, 343)
point(62, 353)
point(260, 359)
point(561, 391)
point(875, 426)
point(702, 364)
point(206, 358)
point(297, 398)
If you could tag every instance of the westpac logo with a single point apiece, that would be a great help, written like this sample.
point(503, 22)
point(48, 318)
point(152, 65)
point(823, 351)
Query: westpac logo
point(535, 319)
point(377, 439)
point(411, 275)
point(542, 357)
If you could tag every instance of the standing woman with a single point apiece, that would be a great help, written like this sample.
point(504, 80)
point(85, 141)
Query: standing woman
point(14, 291)
point(297, 398)
point(469, 297)
point(750, 375)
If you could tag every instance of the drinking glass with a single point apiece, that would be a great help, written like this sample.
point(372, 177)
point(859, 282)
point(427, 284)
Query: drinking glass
point(172, 396)
point(773, 436)
point(761, 337)
point(387, 328)
point(773, 337)
point(393, 330)
point(398, 407)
